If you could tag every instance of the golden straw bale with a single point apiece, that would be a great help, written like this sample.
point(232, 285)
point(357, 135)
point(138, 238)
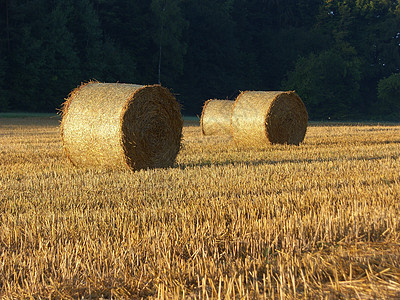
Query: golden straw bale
point(216, 117)
point(260, 118)
point(121, 125)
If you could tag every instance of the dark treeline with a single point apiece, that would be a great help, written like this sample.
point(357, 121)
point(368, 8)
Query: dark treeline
point(342, 57)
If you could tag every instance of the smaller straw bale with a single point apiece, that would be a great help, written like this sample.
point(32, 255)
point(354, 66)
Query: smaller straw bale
point(216, 117)
point(121, 126)
point(268, 117)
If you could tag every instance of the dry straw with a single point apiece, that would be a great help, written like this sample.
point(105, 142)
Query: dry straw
point(260, 118)
point(121, 125)
point(216, 117)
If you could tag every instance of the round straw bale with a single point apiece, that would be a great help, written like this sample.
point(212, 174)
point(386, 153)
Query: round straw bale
point(260, 118)
point(121, 125)
point(216, 117)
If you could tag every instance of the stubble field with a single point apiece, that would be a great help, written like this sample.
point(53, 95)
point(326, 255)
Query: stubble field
point(319, 220)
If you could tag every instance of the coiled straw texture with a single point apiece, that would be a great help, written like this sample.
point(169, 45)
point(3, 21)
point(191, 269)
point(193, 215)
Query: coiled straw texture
point(216, 117)
point(268, 117)
point(121, 126)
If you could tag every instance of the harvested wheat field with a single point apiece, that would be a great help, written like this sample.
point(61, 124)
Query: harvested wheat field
point(319, 220)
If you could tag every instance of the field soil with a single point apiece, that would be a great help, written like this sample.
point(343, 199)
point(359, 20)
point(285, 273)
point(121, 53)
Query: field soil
point(320, 220)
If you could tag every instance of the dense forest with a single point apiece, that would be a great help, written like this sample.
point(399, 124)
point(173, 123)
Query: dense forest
point(342, 57)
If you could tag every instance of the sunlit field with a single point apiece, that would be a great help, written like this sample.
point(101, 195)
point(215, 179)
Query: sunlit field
point(320, 220)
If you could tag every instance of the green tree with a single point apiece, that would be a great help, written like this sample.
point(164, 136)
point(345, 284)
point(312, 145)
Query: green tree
point(105, 42)
point(119, 65)
point(26, 60)
point(43, 64)
point(3, 94)
point(128, 28)
point(328, 84)
point(272, 35)
point(367, 29)
point(62, 65)
point(4, 51)
point(212, 63)
point(87, 32)
point(389, 99)
point(167, 33)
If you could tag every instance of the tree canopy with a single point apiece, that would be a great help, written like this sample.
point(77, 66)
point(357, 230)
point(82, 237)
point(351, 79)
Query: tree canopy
point(342, 57)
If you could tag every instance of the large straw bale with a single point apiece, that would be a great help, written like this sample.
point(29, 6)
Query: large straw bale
point(216, 117)
point(121, 125)
point(260, 118)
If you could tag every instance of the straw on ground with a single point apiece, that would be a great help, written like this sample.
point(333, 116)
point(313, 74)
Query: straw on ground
point(319, 220)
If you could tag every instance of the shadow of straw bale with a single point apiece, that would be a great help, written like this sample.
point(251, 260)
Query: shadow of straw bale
point(360, 142)
point(259, 162)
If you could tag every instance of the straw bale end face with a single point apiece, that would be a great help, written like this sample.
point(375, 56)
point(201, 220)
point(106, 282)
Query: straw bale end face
point(286, 120)
point(268, 117)
point(121, 125)
point(151, 129)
